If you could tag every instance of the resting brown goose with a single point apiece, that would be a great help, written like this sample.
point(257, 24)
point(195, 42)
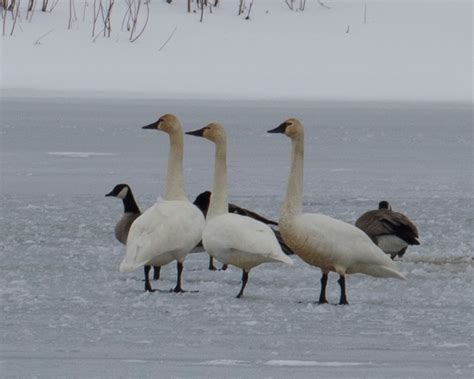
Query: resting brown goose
point(131, 211)
point(202, 202)
point(391, 231)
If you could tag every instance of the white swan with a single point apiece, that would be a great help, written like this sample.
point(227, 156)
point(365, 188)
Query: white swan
point(322, 241)
point(131, 212)
point(171, 228)
point(232, 238)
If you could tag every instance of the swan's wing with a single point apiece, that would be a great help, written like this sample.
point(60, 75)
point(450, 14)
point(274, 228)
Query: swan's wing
point(141, 239)
point(338, 239)
point(166, 227)
point(241, 233)
point(346, 246)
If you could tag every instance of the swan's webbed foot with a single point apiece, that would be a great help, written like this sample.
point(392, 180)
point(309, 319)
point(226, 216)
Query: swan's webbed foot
point(178, 290)
point(148, 287)
point(146, 270)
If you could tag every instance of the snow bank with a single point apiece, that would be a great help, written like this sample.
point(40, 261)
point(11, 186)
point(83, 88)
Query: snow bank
point(404, 51)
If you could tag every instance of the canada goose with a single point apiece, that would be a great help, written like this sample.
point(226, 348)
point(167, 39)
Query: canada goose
point(130, 212)
point(391, 231)
point(172, 227)
point(322, 241)
point(202, 202)
point(232, 238)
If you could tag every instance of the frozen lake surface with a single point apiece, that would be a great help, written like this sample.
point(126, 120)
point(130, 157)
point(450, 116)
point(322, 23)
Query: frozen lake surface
point(66, 311)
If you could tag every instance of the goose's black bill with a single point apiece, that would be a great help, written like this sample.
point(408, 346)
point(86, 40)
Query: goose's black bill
point(198, 133)
point(153, 125)
point(279, 129)
point(111, 193)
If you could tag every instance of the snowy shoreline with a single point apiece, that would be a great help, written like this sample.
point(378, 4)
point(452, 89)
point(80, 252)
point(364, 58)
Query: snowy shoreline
point(406, 51)
point(28, 94)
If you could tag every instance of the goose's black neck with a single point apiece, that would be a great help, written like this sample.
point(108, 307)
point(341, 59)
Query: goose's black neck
point(129, 203)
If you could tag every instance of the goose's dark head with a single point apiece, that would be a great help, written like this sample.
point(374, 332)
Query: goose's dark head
point(167, 123)
point(384, 204)
point(291, 127)
point(120, 190)
point(202, 201)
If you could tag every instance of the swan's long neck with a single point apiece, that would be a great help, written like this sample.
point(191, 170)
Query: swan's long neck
point(218, 204)
point(175, 178)
point(294, 193)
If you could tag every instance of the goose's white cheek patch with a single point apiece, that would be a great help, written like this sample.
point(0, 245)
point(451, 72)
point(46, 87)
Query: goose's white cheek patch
point(123, 193)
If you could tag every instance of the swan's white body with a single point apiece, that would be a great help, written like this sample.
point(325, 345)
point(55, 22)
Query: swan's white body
point(334, 245)
point(319, 240)
point(242, 242)
point(171, 228)
point(167, 231)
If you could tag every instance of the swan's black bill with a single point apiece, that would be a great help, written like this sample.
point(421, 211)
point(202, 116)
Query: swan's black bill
point(198, 133)
point(279, 129)
point(153, 125)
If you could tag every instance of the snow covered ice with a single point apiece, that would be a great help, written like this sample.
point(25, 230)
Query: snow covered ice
point(67, 311)
point(387, 110)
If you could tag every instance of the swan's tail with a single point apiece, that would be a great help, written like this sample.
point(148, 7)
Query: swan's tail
point(284, 259)
point(129, 265)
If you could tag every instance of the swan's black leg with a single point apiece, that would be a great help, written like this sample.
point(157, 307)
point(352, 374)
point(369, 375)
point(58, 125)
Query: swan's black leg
point(322, 295)
point(245, 278)
point(211, 264)
point(342, 283)
point(178, 282)
point(147, 279)
point(224, 267)
point(156, 272)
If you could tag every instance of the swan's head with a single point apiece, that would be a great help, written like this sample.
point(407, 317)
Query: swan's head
point(384, 204)
point(167, 123)
point(291, 127)
point(120, 190)
point(214, 132)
